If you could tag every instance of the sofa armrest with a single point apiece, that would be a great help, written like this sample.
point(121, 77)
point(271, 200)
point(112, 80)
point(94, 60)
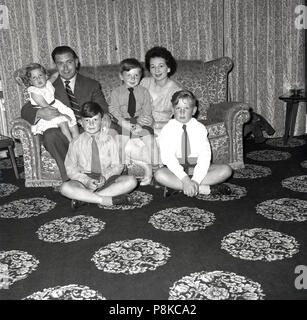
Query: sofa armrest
point(21, 130)
point(234, 115)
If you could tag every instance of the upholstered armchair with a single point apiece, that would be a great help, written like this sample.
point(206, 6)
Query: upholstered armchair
point(207, 80)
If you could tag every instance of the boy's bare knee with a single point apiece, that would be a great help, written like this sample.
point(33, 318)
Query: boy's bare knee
point(227, 171)
point(63, 188)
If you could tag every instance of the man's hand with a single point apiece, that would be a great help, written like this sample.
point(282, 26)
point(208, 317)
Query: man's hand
point(190, 188)
point(47, 113)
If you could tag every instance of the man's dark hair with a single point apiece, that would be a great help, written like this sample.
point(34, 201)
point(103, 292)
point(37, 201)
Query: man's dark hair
point(90, 109)
point(184, 95)
point(161, 52)
point(130, 63)
point(62, 50)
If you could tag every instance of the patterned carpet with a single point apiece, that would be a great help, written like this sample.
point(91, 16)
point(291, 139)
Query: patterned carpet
point(246, 245)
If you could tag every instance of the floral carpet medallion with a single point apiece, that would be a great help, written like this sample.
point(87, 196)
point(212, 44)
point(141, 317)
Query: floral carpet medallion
point(19, 265)
point(284, 209)
point(131, 256)
point(182, 219)
point(215, 285)
point(26, 208)
point(252, 171)
point(6, 189)
point(139, 200)
point(7, 164)
point(260, 244)
point(268, 155)
point(304, 164)
point(70, 229)
point(237, 192)
point(297, 183)
point(279, 142)
point(69, 292)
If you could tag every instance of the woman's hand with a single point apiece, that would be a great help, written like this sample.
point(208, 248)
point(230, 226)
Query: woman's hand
point(145, 120)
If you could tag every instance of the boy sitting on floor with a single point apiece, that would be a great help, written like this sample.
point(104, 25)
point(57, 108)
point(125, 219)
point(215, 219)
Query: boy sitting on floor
point(92, 163)
point(183, 144)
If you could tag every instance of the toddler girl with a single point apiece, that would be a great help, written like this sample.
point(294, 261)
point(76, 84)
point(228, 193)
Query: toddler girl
point(41, 92)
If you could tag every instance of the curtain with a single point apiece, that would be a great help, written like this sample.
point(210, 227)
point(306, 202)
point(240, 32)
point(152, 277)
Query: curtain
point(259, 36)
point(262, 39)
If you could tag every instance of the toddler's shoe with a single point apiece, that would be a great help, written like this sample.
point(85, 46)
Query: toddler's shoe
point(146, 181)
point(220, 190)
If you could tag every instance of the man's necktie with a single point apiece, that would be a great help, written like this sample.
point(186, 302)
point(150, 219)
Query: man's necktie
point(131, 103)
point(72, 99)
point(185, 148)
point(95, 164)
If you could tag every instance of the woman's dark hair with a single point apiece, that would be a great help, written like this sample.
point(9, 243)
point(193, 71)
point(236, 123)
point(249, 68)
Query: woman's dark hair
point(161, 52)
point(62, 50)
point(90, 109)
point(128, 64)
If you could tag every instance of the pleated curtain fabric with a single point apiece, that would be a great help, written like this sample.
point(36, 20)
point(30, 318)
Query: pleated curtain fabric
point(260, 36)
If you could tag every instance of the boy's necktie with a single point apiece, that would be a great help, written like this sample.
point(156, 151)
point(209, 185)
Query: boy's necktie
point(185, 147)
point(72, 99)
point(95, 164)
point(131, 103)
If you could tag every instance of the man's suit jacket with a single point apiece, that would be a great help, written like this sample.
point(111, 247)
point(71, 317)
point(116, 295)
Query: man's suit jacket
point(86, 89)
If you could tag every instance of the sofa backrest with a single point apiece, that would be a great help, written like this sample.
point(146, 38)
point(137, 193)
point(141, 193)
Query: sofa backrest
point(207, 80)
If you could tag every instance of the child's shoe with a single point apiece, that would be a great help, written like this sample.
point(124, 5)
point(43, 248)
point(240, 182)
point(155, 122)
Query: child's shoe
point(220, 190)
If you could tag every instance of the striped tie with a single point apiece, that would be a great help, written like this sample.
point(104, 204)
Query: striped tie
point(72, 99)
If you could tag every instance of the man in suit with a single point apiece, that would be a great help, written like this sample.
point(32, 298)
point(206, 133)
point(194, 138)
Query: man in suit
point(73, 89)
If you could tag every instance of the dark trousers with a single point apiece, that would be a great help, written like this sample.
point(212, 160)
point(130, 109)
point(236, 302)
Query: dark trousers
point(57, 145)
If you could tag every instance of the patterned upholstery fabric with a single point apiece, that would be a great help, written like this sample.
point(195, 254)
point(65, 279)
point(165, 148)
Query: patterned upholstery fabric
point(208, 80)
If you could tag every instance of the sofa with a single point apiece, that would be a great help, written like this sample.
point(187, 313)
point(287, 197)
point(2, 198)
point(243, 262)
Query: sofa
point(207, 80)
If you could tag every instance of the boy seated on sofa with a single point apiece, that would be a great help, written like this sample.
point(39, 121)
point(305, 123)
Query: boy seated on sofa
point(183, 144)
point(92, 163)
point(131, 106)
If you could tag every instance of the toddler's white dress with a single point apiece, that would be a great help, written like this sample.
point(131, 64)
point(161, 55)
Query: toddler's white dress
point(48, 93)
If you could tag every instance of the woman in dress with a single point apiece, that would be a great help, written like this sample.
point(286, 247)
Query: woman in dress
point(161, 65)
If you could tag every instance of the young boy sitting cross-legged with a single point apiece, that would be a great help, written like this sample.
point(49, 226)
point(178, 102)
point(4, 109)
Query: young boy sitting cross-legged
point(92, 163)
point(183, 141)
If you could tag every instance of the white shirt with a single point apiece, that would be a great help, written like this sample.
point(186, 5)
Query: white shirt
point(72, 83)
point(170, 148)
